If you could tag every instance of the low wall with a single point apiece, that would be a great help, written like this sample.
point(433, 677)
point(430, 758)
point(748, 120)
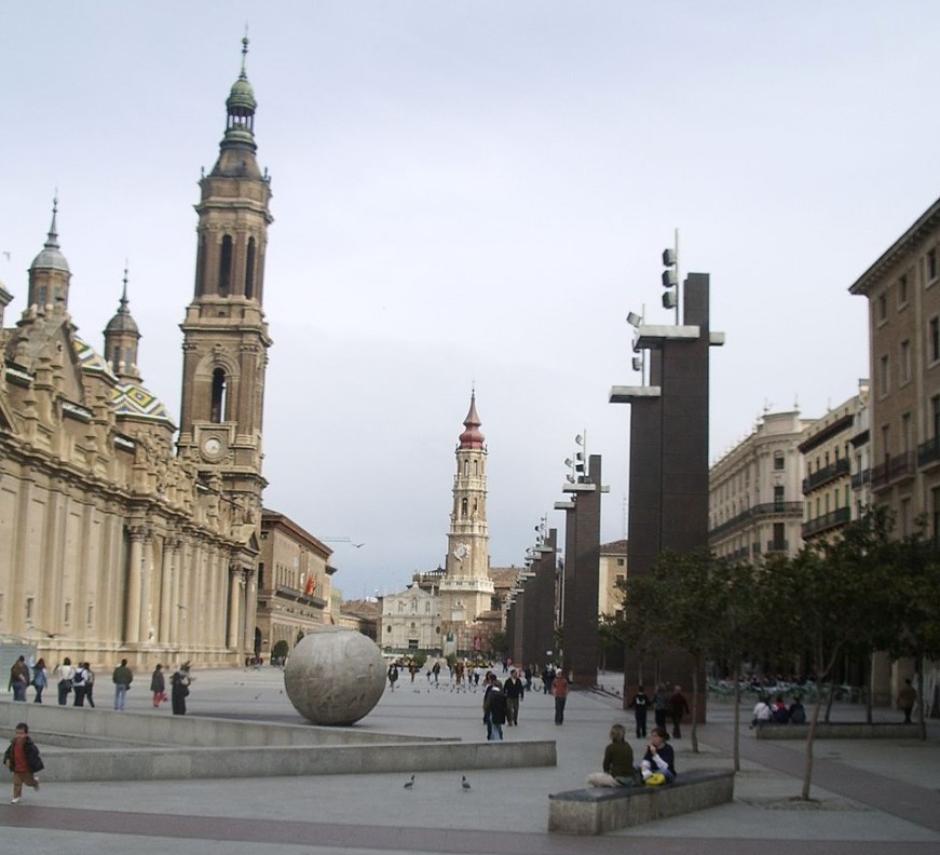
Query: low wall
point(134, 764)
point(840, 730)
point(189, 730)
point(597, 810)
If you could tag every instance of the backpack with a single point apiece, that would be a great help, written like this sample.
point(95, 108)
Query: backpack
point(78, 678)
point(497, 707)
point(798, 715)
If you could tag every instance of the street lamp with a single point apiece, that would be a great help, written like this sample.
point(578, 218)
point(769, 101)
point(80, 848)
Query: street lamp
point(670, 278)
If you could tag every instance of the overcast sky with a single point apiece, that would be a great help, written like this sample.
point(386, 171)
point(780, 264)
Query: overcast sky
point(477, 191)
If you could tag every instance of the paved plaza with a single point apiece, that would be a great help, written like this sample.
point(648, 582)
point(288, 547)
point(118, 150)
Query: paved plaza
point(873, 795)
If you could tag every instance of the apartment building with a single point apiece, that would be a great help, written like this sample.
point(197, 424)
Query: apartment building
point(755, 491)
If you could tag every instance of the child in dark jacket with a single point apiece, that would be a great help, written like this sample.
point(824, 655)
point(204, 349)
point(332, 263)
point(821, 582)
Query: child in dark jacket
point(23, 760)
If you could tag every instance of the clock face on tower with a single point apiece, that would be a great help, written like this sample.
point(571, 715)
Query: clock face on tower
point(212, 447)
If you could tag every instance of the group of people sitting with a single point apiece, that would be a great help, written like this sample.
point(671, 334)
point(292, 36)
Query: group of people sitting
point(778, 712)
point(657, 767)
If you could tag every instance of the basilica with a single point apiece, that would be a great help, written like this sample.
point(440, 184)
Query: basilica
point(116, 541)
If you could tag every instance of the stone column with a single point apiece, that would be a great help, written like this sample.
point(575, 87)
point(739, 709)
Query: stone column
point(175, 592)
point(146, 581)
point(234, 607)
point(251, 605)
point(166, 590)
point(132, 611)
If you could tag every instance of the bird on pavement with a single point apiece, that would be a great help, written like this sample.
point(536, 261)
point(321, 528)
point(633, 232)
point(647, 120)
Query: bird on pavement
point(464, 782)
point(409, 784)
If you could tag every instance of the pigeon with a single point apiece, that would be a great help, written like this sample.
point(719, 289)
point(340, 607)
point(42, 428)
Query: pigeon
point(409, 784)
point(464, 782)
point(257, 696)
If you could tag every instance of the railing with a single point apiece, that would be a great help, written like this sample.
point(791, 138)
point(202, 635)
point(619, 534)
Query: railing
point(826, 474)
point(928, 452)
point(893, 469)
point(840, 516)
point(764, 510)
point(859, 479)
point(776, 545)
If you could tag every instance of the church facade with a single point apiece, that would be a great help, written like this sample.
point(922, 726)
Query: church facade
point(114, 540)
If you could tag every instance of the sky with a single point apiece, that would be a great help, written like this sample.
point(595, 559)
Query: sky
point(477, 193)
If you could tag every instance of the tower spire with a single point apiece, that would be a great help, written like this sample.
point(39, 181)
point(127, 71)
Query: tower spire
point(243, 75)
point(52, 239)
point(472, 437)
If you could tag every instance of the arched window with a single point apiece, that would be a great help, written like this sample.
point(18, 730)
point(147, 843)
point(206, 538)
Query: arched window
point(474, 467)
point(466, 467)
point(116, 359)
point(225, 267)
point(463, 508)
point(250, 269)
point(219, 395)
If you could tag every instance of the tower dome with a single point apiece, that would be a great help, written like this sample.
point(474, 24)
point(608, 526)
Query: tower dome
point(50, 256)
point(472, 437)
point(240, 107)
point(122, 322)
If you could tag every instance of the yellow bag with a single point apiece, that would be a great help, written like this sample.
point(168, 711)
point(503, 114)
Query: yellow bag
point(657, 779)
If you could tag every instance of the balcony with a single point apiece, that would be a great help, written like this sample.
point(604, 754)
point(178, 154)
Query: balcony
point(892, 471)
point(928, 453)
point(757, 512)
point(826, 474)
point(776, 546)
point(833, 519)
point(860, 479)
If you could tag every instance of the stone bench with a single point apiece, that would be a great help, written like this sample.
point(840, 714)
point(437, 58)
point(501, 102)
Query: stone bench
point(596, 810)
point(840, 730)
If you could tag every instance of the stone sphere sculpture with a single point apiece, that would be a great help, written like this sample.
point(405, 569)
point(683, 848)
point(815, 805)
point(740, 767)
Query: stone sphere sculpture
point(334, 676)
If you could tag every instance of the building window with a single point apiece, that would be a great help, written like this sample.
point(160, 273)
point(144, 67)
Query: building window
point(90, 617)
point(778, 497)
point(935, 513)
point(463, 508)
point(260, 576)
point(902, 291)
point(882, 308)
point(30, 602)
point(884, 376)
point(905, 366)
point(219, 394)
point(67, 615)
point(885, 441)
point(907, 436)
point(778, 460)
point(225, 266)
point(250, 269)
point(930, 265)
point(200, 266)
point(621, 562)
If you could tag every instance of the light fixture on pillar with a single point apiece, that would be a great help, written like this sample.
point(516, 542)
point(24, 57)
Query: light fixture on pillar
point(634, 319)
point(670, 278)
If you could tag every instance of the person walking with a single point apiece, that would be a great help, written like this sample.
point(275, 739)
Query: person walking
point(639, 705)
point(122, 679)
point(19, 679)
point(494, 709)
point(179, 690)
point(158, 686)
point(23, 760)
point(514, 690)
point(560, 691)
point(678, 707)
point(661, 706)
point(527, 673)
point(40, 680)
point(392, 675)
point(436, 671)
point(64, 672)
point(78, 685)
point(907, 697)
point(89, 685)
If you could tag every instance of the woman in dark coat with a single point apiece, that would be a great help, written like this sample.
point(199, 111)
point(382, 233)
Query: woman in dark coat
point(180, 689)
point(158, 686)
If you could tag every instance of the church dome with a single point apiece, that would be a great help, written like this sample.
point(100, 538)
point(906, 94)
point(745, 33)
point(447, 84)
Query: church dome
point(241, 99)
point(123, 321)
point(472, 436)
point(50, 256)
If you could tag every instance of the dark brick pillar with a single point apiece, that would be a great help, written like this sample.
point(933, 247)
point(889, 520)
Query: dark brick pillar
point(581, 643)
point(544, 596)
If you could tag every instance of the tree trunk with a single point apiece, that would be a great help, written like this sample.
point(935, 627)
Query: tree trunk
point(810, 736)
point(922, 707)
point(695, 706)
point(737, 718)
point(829, 700)
point(871, 687)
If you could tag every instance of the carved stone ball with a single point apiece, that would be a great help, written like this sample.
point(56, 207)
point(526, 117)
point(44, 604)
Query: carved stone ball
point(334, 676)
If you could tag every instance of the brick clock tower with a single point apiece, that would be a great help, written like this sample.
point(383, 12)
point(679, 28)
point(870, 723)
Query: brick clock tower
point(467, 589)
point(225, 343)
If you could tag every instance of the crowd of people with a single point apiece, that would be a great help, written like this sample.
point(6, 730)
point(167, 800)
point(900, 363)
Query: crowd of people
point(79, 681)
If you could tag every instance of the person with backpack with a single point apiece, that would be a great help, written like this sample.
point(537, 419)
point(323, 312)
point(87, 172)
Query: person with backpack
point(40, 680)
point(797, 712)
point(639, 705)
point(392, 675)
point(78, 685)
point(19, 679)
point(23, 760)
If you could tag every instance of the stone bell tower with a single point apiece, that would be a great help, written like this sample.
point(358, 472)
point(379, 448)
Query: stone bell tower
point(467, 589)
point(225, 336)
